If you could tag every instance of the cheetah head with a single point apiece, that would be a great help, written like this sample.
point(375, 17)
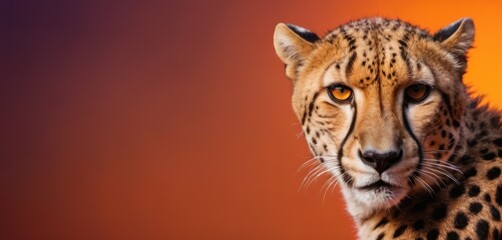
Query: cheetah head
point(381, 104)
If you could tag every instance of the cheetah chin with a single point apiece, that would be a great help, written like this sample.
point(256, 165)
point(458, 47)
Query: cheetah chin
point(379, 195)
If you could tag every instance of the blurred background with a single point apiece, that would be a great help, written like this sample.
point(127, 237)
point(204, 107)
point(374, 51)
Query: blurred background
point(172, 119)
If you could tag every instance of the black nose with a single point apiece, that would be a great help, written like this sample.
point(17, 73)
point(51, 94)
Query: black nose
point(380, 161)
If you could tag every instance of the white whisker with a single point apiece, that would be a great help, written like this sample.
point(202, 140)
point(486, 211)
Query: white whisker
point(432, 167)
point(431, 175)
point(332, 180)
point(426, 186)
point(442, 164)
point(300, 134)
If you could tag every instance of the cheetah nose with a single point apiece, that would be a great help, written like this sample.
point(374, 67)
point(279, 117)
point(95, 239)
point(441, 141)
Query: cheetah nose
point(380, 161)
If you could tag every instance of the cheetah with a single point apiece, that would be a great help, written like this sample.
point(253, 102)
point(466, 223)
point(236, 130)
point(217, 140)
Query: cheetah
point(386, 114)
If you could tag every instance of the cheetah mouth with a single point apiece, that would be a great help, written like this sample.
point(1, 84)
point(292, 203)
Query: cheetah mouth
point(380, 184)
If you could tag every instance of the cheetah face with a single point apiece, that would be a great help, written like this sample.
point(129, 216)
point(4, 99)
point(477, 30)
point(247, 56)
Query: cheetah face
point(379, 104)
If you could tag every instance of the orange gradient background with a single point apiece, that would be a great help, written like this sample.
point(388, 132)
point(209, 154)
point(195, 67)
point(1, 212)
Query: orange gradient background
point(172, 119)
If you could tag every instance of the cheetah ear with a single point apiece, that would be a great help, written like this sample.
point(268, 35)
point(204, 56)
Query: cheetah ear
point(457, 37)
point(292, 45)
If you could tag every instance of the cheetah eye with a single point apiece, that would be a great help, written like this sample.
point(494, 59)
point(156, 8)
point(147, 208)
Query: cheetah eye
point(339, 93)
point(417, 92)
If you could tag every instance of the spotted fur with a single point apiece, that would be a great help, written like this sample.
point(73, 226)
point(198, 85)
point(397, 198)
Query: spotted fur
point(447, 182)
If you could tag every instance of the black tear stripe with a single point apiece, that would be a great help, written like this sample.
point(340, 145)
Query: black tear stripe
point(415, 173)
point(404, 56)
point(345, 176)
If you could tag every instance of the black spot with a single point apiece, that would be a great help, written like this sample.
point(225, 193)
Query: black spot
point(474, 191)
point(482, 229)
point(380, 236)
point(467, 159)
point(451, 142)
point(496, 234)
point(475, 207)
point(433, 234)
point(461, 220)
point(471, 173)
point(308, 130)
point(452, 236)
point(402, 43)
point(487, 197)
point(456, 123)
point(399, 231)
point(495, 213)
point(489, 156)
point(498, 142)
point(498, 195)
point(439, 212)
point(419, 224)
point(381, 223)
point(493, 173)
point(457, 191)
point(304, 117)
point(443, 133)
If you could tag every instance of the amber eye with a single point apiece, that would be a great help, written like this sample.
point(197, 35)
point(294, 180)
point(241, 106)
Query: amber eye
point(417, 92)
point(339, 93)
